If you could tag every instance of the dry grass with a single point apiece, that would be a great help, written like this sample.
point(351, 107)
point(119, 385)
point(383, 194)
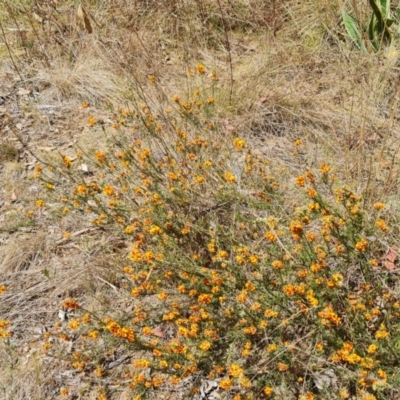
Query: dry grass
point(286, 71)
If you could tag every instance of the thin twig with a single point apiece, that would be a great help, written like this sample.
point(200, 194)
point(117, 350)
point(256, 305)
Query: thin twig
point(9, 51)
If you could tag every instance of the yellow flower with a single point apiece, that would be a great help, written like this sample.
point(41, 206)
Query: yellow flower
point(205, 298)
point(368, 396)
point(271, 237)
point(300, 181)
point(329, 314)
point(253, 259)
point(142, 363)
point(229, 177)
point(361, 245)
point(40, 203)
point(296, 227)
point(99, 373)
point(382, 334)
point(324, 168)
point(319, 346)
point(74, 324)
point(245, 383)
point(251, 330)
point(199, 179)
point(108, 190)
point(30, 213)
point(172, 176)
point(205, 345)
point(382, 374)
point(225, 384)
point(155, 230)
point(222, 254)
point(93, 335)
point(312, 192)
point(239, 143)
point(289, 290)
point(236, 371)
point(162, 296)
point(256, 307)
point(381, 224)
point(242, 296)
point(379, 206)
point(79, 365)
point(271, 347)
point(307, 396)
point(249, 286)
point(277, 264)
point(46, 346)
point(372, 348)
point(67, 161)
point(298, 142)
point(270, 313)
point(240, 259)
point(201, 70)
point(311, 236)
point(268, 391)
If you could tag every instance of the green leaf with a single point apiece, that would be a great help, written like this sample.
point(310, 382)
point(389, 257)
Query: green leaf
point(374, 32)
point(385, 8)
point(377, 10)
point(352, 28)
point(379, 30)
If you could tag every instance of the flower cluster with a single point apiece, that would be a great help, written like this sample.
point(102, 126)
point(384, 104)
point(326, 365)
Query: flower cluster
point(217, 288)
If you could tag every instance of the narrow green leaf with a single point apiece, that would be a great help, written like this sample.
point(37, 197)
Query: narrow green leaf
point(381, 10)
point(374, 32)
point(352, 28)
point(376, 9)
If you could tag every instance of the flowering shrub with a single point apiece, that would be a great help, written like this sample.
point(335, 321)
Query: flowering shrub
point(226, 278)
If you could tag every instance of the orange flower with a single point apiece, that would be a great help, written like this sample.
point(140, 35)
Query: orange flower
point(201, 70)
point(362, 245)
point(381, 224)
point(300, 181)
point(379, 206)
point(225, 384)
point(236, 371)
point(283, 367)
point(271, 237)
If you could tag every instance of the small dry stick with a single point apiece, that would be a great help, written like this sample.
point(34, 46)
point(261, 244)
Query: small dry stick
point(9, 51)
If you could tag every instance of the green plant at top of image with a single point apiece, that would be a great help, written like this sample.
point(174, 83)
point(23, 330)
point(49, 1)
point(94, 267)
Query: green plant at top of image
point(379, 27)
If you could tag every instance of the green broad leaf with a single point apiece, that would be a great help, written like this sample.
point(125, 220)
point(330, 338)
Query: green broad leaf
point(352, 28)
point(385, 9)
